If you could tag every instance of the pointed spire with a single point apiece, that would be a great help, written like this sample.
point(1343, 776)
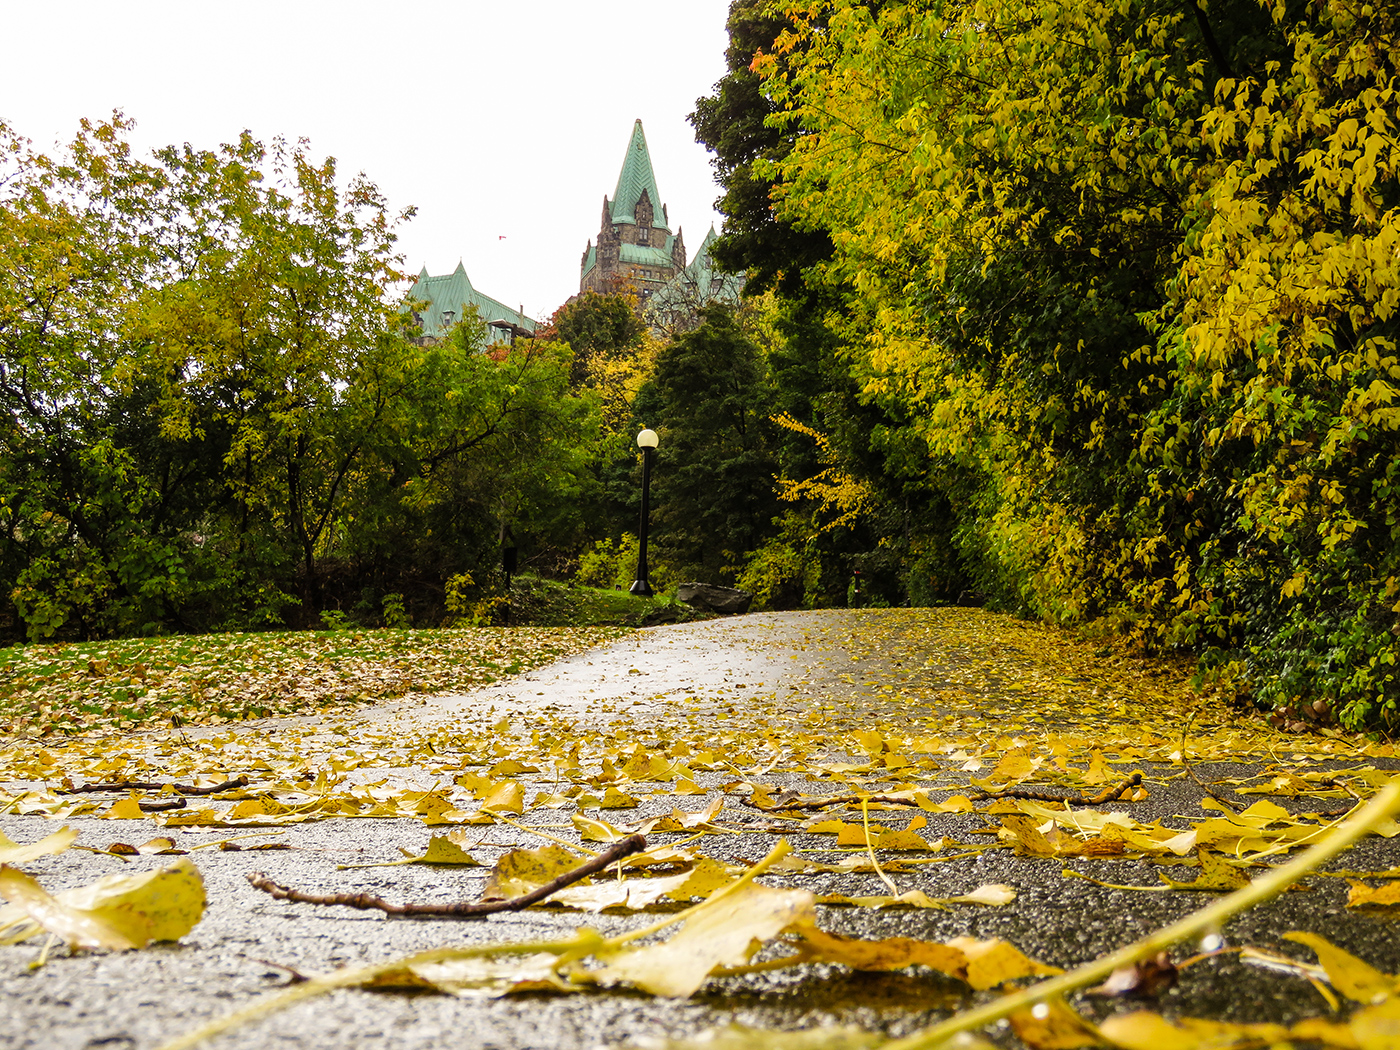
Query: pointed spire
point(635, 179)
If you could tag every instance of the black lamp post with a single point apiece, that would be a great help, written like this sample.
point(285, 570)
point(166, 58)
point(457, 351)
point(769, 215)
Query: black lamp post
point(646, 441)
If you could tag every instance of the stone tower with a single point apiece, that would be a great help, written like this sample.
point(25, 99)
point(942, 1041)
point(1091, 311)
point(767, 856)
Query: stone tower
point(635, 244)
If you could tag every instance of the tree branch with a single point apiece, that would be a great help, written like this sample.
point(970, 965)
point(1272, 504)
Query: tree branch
point(456, 909)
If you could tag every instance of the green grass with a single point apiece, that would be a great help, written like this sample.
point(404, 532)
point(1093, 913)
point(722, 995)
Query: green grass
point(548, 603)
point(135, 683)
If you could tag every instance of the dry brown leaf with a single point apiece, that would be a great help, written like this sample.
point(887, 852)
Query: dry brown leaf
point(1144, 979)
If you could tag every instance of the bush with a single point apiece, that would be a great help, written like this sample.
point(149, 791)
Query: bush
point(613, 563)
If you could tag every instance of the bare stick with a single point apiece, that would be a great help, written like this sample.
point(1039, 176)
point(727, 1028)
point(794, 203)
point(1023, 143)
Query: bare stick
point(456, 909)
point(1186, 761)
point(159, 807)
point(141, 785)
point(1107, 795)
point(821, 803)
point(1336, 811)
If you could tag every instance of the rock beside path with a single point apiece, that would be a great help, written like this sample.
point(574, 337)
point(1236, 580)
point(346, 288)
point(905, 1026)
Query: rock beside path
point(728, 600)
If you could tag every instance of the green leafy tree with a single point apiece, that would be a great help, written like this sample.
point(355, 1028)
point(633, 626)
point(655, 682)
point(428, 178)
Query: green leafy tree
point(714, 487)
point(864, 439)
point(214, 403)
point(488, 444)
point(89, 539)
point(279, 325)
point(598, 328)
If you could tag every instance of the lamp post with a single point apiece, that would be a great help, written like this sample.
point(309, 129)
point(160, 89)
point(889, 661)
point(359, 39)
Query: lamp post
point(646, 441)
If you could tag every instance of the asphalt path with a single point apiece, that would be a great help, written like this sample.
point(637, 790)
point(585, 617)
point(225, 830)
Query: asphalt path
point(724, 677)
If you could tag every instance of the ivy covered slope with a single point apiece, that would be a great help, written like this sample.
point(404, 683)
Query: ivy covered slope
point(1127, 271)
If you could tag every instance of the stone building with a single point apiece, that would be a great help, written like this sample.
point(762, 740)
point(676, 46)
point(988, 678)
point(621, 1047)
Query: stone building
point(636, 245)
point(675, 306)
point(445, 301)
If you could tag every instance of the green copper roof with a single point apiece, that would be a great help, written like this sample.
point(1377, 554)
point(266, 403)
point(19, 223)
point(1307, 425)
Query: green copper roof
point(454, 293)
point(697, 284)
point(641, 255)
point(590, 260)
point(636, 176)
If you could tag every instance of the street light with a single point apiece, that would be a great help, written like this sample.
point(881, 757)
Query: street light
point(646, 441)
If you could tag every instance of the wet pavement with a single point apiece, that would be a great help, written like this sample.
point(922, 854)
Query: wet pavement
point(832, 674)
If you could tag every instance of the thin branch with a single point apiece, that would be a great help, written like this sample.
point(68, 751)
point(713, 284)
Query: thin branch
point(160, 807)
point(827, 800)
point(1186, 761)
point(1107, 795)
point(456, 909)
point(141, 785)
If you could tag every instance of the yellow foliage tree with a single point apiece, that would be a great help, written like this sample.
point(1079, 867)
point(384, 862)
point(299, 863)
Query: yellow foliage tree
point(1136, 264)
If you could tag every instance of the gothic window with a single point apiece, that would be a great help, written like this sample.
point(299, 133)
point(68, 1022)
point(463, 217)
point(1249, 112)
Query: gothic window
point(643, 234)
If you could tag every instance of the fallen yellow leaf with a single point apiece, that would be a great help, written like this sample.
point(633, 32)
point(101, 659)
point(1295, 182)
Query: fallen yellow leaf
point(12, 852)
point(117, 911)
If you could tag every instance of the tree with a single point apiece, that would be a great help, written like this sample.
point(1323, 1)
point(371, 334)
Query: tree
point(1129, 267)
point(89, 539)
point(278, 324)
point(715, 493)
point(488, 444)
point(598, 328)
point(213, 397)
point(813, 360)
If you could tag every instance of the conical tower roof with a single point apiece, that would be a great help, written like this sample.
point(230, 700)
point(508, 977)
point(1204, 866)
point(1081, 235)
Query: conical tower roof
point(636, 176)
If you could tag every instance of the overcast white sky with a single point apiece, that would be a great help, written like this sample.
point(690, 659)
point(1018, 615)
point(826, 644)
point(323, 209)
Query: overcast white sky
point(497, 118)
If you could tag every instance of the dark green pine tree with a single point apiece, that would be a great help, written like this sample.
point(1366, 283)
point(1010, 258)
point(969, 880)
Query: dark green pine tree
point(714, 494)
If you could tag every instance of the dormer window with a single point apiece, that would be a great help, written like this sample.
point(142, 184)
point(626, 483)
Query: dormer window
point(643, 234)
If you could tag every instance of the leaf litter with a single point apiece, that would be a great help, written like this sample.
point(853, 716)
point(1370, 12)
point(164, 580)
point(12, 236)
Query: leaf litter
point(1016, 741)
point(129, 683)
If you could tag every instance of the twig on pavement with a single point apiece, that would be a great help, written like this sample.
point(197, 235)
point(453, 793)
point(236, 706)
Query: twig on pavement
point(141, 785)
point(1186, 761)
point(455, 909)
